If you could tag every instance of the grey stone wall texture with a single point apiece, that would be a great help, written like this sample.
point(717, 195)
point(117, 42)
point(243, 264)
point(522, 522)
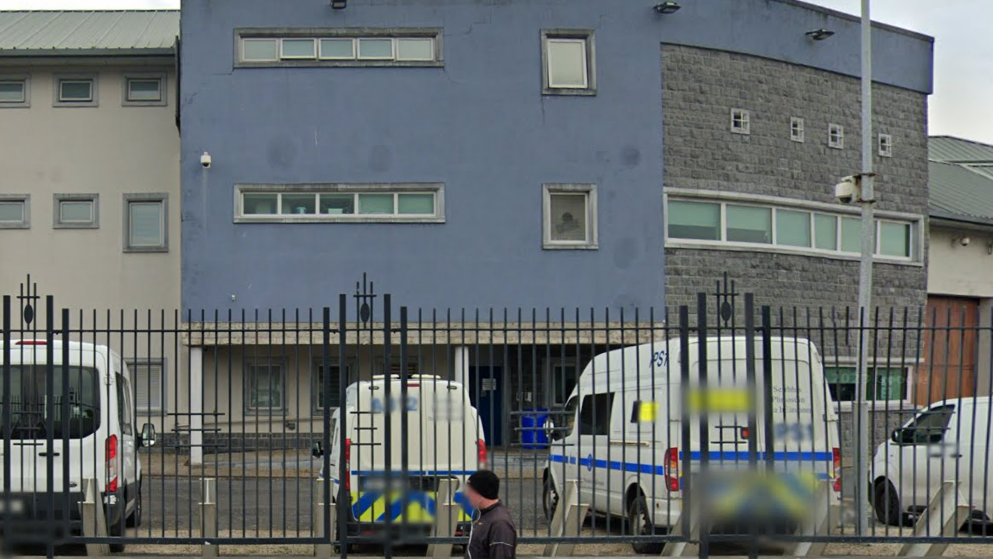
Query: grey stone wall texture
point(700, 87)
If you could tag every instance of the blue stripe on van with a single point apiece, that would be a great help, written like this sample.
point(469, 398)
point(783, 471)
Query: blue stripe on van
point(696, 455)
point(414, 472)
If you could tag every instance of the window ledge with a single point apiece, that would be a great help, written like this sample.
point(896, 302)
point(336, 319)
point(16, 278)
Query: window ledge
point(139, 250)
point(337, 219)
point(779, 249)
point(551, 245)
point(588, 92)
point(342, 64)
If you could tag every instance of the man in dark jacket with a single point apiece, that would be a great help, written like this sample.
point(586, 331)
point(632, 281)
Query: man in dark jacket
point(493, 534)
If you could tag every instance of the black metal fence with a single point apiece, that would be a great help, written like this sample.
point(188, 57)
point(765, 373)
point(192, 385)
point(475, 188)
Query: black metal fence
point(357, 427)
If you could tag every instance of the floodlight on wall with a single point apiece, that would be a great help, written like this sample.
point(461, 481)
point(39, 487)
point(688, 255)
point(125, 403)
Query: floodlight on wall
point(665, 8)
point(338, 4)
point(819, 34)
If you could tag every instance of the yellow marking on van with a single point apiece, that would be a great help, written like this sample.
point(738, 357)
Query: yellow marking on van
point(720, 400)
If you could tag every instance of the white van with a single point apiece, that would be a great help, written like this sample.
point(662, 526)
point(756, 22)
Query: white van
point(948, 440)
point(444, 440)
point(621, 440)
point(102, 433)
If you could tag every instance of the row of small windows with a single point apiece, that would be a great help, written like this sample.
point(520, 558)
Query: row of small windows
point(82, 90)
point(741, 124)
point(727, 223)
point(569, 215)
point(145, 217)
point(567, 54)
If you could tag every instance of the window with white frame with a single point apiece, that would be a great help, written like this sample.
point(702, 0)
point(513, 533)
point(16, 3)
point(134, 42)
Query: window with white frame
point(75, 91)
point(76, 211)
point(146, 222)
point(562, 376)
point(379, 47)
point(836, 136)
point(796, 129)
point(15, 211)
point(570, 216)
point(323, 397)
point(14, 91)
point(799, 228)
point(144, 90)
point(413, 202)
point(884, 384)
point(885, 145)
point(264, 390)
point(149, 384)
point(740, 121)
point(568, 60)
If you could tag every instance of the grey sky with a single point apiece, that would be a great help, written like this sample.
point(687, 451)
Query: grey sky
point(963, 73)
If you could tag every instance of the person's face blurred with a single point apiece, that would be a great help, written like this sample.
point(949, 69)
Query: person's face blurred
point(472, 497)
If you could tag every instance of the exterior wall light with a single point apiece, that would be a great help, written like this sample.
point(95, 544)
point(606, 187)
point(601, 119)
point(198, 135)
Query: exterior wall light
point(665, 8)
point(338, 4)
point(819, 34)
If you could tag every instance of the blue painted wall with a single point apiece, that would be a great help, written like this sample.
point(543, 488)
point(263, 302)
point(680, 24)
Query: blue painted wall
point(479, 125)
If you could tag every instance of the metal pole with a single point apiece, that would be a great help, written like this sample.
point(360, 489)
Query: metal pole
point(865, 277)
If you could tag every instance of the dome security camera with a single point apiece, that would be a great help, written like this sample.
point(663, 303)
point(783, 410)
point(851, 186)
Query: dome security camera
point(205, 160)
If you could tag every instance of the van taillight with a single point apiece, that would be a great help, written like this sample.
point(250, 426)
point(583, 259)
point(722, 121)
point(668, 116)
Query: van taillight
point(348, 464)
point(481, 447)
point(836, 452)
point(32, 342)
point(111, 456)
point(671, 467)
point(413, 385)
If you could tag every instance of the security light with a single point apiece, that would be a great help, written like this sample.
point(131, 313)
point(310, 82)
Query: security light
point(338, 4)
point(667, 7)
point(819, 34)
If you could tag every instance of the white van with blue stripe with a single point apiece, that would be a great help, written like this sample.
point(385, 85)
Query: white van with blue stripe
point(620, 436)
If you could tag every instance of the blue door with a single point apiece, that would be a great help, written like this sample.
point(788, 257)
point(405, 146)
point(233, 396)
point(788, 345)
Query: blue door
point(486, 394)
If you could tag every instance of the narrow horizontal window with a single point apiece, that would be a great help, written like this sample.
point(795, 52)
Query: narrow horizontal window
point(13, 92)
point(76, 211)
point(568, 58)
point(340, 47)
point(144, 90)
point(715, 223)
point(75, 91)
point(14, 211)
point(339, 203)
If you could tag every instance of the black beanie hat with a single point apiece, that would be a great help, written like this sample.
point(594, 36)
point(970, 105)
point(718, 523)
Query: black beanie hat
point(486, 483)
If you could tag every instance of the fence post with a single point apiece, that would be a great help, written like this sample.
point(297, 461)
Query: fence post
point(445, 517)
point(566, 522)
point(94, 521)
point(322, 507)
point(943, 516)
point(208, 517)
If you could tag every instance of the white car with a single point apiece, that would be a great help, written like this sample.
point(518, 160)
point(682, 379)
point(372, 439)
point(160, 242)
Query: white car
point(103, 437)
point(947, 441)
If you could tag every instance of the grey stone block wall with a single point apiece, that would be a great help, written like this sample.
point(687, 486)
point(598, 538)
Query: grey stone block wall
point(700, 87)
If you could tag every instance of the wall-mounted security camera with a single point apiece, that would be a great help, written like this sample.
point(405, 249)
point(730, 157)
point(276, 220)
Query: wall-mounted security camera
point(847, 190)
point(963, 240)
point(205, 160)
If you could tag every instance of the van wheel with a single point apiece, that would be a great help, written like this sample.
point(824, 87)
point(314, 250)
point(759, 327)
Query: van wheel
point(135, 519)
point(640, 521)
point(886, 503)
point(549, 498)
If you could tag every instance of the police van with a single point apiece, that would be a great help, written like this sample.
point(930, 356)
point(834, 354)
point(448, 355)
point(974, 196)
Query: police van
point(94, 434)
point(443, 439)
point(620, 436)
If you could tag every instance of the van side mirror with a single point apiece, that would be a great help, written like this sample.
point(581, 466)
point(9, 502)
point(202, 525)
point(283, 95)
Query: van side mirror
point(551, 432)
point(317, 450)
point(147, 435)
point(903, 436)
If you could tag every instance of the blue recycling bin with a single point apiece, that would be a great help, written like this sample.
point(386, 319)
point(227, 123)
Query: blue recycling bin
point(533, 436)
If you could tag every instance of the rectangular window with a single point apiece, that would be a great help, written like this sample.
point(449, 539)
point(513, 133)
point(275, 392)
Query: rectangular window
point(826, 231)
point(884, 384)
point(570, 216)
point(339, 203)
point(264, 385)
point(562, 375)
point(340, 47)
point(749, 224)
point(796, 129)
point(149, 385)
point(894, 239)
point(76, 211)
point(15, 211)
point(694, 220)
point(740, 121)
point(568, 59)
point(836, 136)
point(73, 91)
point(146, 223)
point(793, 228)
point(14, 91)
point(322, 398)
point(594, 415)
point(144, 90)
point(708, 222)
point(885, 145)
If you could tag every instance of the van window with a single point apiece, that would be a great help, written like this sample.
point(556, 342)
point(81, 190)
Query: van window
point(594, 416)
point(28, 398)
point(123, 407)
point(930, 426)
